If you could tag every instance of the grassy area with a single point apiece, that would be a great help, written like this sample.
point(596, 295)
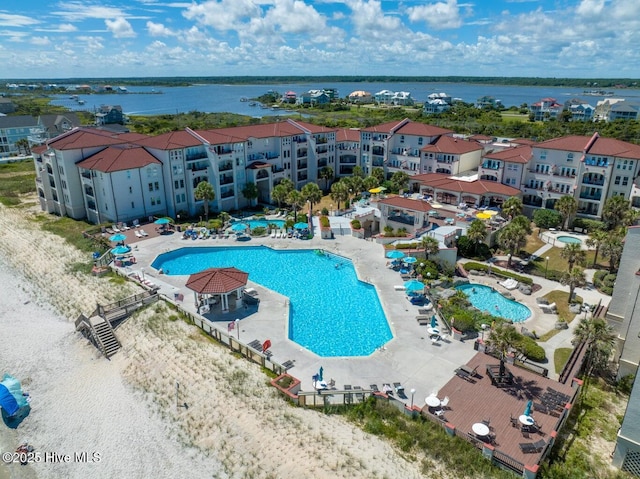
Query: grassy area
point(560, 358)
point(514, 116)
point(561, 299)
point(71, 230)
point(16, 179)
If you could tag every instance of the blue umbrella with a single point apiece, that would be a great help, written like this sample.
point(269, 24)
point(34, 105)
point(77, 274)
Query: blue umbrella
point(118, 237)
point(162, 221)
point(527, 410)
point(413, 285)
point(320, 373)
point(238, 227)
point(118, 250)
point(301, 226)
point(395, 254)
point(434, 321)
point(410, 260)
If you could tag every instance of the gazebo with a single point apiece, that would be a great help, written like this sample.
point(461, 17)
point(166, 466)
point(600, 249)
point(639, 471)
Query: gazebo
point(218, 282)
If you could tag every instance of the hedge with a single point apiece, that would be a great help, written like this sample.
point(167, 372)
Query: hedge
point(531, 349)
point(324, 221)
point(472, 265)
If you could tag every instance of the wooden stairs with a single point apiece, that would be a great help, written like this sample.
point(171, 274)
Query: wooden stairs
point(99, 327)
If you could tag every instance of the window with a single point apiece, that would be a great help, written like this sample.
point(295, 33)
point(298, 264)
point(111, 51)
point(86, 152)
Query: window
point(150, 186)
point(128, 174)
point(153, 201)
point(177, 198)
point(543, 155)
point(183, 197)
point(420, 141)
point(625, 180)
point(570, 157)
point(176, 183)
point(401, 138)
point(156, 186)
point(181, 183)
point(133, 205)
point(130, 190)
point(617, 181)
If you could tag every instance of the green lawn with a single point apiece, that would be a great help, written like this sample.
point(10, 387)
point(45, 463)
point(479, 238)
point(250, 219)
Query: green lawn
point(560, 358)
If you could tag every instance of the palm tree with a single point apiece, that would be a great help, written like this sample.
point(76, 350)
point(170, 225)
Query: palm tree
point(326, 173)
point(370, 182)
point(567, 207)
point(574, 278)
point(503, 339)
point(477, 232)
point(311, 193)
point(573, 253)
point(400, 180)
point(339, 192)
point(616, 212)
point(511, 238)
point(224, 217)
point(378, 173)
point(204, 191)
point(357, 171)
point(355, 183)
point(595, 240)
point(512, 207)
point(250, 192)
point(430, 245)
point(523, 222)
point(295, 200)
point(612, 248)
point(600, 340)
point(279, 194)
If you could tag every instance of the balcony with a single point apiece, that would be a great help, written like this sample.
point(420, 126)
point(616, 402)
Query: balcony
point(348, 160)
point(225, 166)
point(322, 149)
point(593, 197)
point(196, 156)
point(301, 165)
point(565, 175)
point(86, 174)
point(302, 153)
point(91, 205)
point(302, 176)
point(322, 163)
point(539, 172)
point(88, 191)
point(226, 180)
point(404, 219)
point(226, 194)
point(377, 162)
point(593, 181)
point(489, 165)
point(321, 141)
point(300, 139)
point(220, 150)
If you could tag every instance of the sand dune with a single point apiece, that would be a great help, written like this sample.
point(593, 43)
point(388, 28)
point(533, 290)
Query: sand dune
point(235, 425)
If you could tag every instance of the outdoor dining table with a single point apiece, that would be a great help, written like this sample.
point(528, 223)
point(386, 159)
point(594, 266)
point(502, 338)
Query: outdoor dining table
point(432, 401)
point(526, 420)
point(480, 429)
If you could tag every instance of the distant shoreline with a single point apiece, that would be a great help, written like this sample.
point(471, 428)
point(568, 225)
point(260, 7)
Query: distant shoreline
point(256, 80)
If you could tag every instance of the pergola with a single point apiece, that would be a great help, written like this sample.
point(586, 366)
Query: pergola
point(218, 282)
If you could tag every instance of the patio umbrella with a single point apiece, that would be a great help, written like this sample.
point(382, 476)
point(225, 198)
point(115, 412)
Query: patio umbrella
point(410, 260)
point(301, 226)
point(413, 285)
point(238, 227)
point(395, 254)
point(483, 216)
point(118, 237)
point(162, 221)
point(118, 250)
point(320, 374)
point(527, 410)
point(375, 190)
point(491, 212)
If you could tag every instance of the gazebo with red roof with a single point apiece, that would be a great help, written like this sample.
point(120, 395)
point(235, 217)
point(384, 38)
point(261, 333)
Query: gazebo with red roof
point(218, 282)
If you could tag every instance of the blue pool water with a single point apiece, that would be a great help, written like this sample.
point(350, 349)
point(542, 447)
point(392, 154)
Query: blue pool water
point(490, 301)
point(263, 223)
point(331, 312)
point(569, 239)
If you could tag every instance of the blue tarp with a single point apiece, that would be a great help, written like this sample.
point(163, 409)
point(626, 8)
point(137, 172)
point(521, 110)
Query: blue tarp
point(11, 398)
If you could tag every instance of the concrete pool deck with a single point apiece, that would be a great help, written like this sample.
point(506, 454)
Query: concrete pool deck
point(409, 358)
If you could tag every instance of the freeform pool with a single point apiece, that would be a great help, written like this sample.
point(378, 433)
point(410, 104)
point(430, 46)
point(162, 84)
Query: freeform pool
point(569, 239)
point(331, 313)
point(253, 224)
point(491, 301)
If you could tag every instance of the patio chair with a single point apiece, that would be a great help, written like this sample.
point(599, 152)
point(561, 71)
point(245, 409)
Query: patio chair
point(444, 403)
point(287, 365)
point(527, 447)
point(143, 232)
point(539, 445)
point(115, 229)
point(399, 389)
point(374, 388)
point(138, 234)
point(387, 389)
point(359, 393)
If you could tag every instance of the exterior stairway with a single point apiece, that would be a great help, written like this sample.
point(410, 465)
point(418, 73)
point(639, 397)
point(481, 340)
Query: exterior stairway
point(105, 337)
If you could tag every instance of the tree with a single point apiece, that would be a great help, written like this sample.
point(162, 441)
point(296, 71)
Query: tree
point(612, 248)
point(617, 212)
point(23, 146)
point(430, 245)
point(522, 222)
point(511, 238)
point(503, 339)
point(357, 171)
point(379, 174)
point(574, 278)
point(512, 207)
point(573, 253)
point(295, 200)
point(477, 232)
point(544, 218)
point(370, 182)
point(339, 192)
point(595, 240)
point(224, 217)
point(567, 207)
point(400, 180)
point(311, 193)
point(250, 192)
point(279, 194)
point(204, 191)
point(599, 338)
point(327, 174)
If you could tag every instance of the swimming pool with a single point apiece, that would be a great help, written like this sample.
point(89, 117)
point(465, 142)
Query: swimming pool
point(331, 312)
point(491, 301)
point(569, 239)
point(253, 224)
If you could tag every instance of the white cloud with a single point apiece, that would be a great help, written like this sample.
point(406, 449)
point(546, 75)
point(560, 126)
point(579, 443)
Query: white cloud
point(590, 8)
point(7, 20)
point(40, 41)
point(370, 21)
point(158, 30)
point(223, 15)
point(120, 28)
point(75, 11)
point(438, 16)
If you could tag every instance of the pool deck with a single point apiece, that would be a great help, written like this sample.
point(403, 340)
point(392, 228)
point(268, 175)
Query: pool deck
point(409, 358)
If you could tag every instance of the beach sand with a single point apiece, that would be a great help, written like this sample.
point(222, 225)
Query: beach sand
point(235, 425)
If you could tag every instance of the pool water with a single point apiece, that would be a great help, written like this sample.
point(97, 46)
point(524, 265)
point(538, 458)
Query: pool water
point(569, 239)
point(253, 224)
point(491, 301)
point(331, 313)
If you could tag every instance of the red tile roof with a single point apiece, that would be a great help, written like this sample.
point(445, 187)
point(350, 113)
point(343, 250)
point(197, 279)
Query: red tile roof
point(455, 146)
point(518, 154)
point(443, 181)
point(119, 158)
point(217, 280)
point(39, 149)
point(79, 138)
point(348, 134)
point(406, 203)
point(171, 141)
point(599, 146)
point(409, 128)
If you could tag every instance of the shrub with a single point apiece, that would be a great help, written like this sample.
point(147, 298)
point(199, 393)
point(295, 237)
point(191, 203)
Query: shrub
point(355, 224)
point(626, 383)
point(547, 218)
point(325, 211)
point(259, 231)
point(531, 349)
point(324, 221)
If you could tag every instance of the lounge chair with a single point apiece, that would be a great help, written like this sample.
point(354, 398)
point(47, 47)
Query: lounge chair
point(143, 232)
point(255, 344)
point(374, 388)
point(273, 233)
point(399, 388)
point(138, 234)
point(278, 234)
point(287, 365)
point(539, 445)
point(116, 229)
point(527, 447)
point(387, 389)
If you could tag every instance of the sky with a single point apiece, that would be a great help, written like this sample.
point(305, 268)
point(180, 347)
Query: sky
point(134, 38)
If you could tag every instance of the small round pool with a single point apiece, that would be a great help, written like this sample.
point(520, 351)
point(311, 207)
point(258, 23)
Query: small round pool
point(569, 239)
point(491, 301)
